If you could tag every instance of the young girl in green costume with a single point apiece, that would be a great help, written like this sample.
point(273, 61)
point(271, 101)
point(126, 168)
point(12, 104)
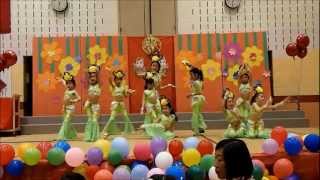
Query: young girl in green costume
point(235, 128)
point(67, 131)
point(167, 120)
point(92, 106)
point(255, 123)
point(197, 99)
point(119, 92)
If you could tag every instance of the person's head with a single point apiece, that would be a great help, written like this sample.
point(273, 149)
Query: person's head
point(258, 96)
point(244, 78)
point(161, 177)
point(70, 82)
point(72, 176)
point(155, 66)
point(93, 74)
point(244, 74)
point(166, 107)
point(228, 98)
point(118, 77)
point(149, 84)
point(233, 160)
point(196, 74)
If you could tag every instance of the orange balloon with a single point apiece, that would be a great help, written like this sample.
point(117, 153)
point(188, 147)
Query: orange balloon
point(205, 147)
point(279, 134)
point(175, 147)
point(282, 168)
point(103, 174)
point(106, 165)
point(6, 154)
point(273, 178)
point(91, 171)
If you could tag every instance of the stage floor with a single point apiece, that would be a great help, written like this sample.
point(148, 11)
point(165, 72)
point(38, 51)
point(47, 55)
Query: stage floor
point(213, 134)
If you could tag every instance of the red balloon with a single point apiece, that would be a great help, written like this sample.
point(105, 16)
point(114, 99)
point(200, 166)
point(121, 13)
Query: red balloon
point(292, 49)
point(142, 151)
point(205, 147)
point(302, 41)
point(91, 171)
point(6, 154)
point(302, 53)
point(282, 168)
point(279, 134)
point(44, 147)
point(106, 165)
point(2, 62)
point(175, 147)
point(10, 58)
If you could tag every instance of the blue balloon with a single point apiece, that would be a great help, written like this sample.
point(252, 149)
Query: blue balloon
point(177, 172)
point(121, 145)
point(15, 168)
point(137, 162)
point(62, 144)
point(292, 146)
point(191, 142)
point(139, 172)
point(312, 142)
point(293, 176)
point(177, 163)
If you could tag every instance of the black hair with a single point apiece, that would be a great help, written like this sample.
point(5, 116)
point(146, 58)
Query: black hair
point(148, 81)
point(170, 106)
point(197, 72)
point(256, 94)
point(162, 177)
point(237, 159)
point(72, 176)
point(158, 63)
point(71, 81)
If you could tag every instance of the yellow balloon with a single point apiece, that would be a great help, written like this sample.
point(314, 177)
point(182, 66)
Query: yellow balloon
point(104, 146)
point(266, 173)
point(265, 178)
point(21, 149)
point(191, 157)
point(81, 169)
point(273, 178)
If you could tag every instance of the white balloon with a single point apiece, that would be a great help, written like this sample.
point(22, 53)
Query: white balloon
point(164, 160)
point(155, 171)
point(212, 174)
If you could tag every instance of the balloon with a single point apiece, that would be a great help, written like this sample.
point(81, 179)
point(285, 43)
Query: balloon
point(21, 149)
point(1, 172)
point(282, 168)
point(2, 62)
point(6, 154)
point(94, 156)
point(206, 162)
point(10, 58)
point(259, 163)
point(44, 147)
point(74, 157)
point(302, 53)
point(175, 147)
point(304, 136)
point(273, 178)
point(154, 171)
point(158, 144)
point(103, 174)
point(121, 173)
point(293, 177)
point(292, 49)
point(292, 146)
point(114, 157)
point(91, 171)
point(142, 151)
point(191, 142)
point(270, 146)
point(205, 147)
point(176, 172)
point(191, 157)
point(106, 165)
point(212, 174)
point(136, 162)
point(195, 172)
point(279, 134)
point(15, 168)
point(163, 160)
point(302, 41)
point(257, 172)
point(55, 156)
point(62, 144)
point(32, 156)
point(312, 142)
point(121, 145)
point(104, 146)
point(177, 163)
point(139, 172)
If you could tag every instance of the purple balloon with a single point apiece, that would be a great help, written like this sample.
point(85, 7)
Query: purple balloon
point(293, 176)
point(270, 146)
point(158, 144)
point(121, 173)
point(94, 156)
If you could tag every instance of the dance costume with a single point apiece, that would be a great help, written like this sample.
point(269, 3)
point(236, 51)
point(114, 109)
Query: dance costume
point(152, 105)
point(243, 102)
point(197, 102)
point(235, 128)
point(255, 123)
point(161, 129)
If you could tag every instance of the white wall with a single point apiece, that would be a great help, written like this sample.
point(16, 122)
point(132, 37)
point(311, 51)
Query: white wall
point(31, 18)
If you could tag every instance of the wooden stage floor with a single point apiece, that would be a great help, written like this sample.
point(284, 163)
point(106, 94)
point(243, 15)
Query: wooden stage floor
point(214, 134)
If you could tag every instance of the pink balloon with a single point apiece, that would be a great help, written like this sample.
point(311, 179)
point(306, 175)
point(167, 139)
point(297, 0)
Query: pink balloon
point(142, 151)
point(155, 171)
point(270, 146)
point(74, 157)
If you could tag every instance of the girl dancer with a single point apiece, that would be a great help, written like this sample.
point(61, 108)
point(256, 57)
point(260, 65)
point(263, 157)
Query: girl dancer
point(119, 92)
point(235, 128)
point(92, 106)
point(71, 96)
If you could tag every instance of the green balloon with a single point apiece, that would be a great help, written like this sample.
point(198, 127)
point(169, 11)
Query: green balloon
point(257, 173)
point(55, 156)
point(195, 172)
point(206, 162)
point(114, 157)
point(32, 156)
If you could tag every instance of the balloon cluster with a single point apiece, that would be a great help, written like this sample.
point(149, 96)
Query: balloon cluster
point(298, 48)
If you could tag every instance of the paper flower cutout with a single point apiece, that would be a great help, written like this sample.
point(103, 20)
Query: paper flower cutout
point(68, 64)
point(252, 56)
point(46, 81)
point(211, 70)
point(51, 52)
point(97, 55)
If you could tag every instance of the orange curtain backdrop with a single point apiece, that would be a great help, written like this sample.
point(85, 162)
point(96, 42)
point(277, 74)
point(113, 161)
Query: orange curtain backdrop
point(136, 83)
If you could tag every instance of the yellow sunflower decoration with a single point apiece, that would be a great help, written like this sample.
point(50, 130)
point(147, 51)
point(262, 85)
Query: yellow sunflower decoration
point(186, 55)
point(68, 64)
point(46, 81)
point(252, 56)
point(116, 62)
point(97, 55)
point(51, 52)
point(231, 71)
point(211, 70)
